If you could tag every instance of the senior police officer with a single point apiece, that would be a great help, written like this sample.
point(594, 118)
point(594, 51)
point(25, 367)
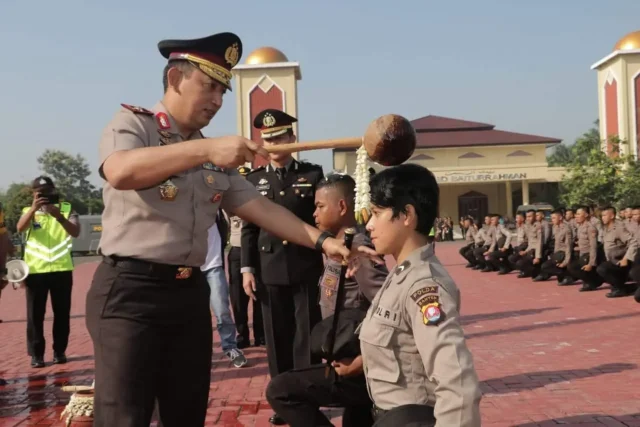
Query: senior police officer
point(148, 306)
point(288, 272)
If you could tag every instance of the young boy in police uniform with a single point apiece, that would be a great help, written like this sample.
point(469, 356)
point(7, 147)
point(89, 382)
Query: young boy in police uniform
point(298, 394)
point(414, 355)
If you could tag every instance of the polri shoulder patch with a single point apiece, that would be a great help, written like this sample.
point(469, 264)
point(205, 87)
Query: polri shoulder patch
point(137, 110)
point(428, 300)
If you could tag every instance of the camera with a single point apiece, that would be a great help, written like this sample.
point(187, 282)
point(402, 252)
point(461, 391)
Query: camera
point(51, 197)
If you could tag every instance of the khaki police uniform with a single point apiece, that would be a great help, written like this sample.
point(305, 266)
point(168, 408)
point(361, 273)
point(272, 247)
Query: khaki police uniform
point(521, 245)
point(618, 244)
point(563, 248)
point(469, 244)
point(500, 250)
point(587, 254)
point(489, 233)
point(297, 395)
point(534, 250)
point(413, 345)
point(148, 306)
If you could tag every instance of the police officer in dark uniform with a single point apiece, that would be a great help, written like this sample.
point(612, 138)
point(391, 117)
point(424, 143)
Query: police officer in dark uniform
point(288, 272)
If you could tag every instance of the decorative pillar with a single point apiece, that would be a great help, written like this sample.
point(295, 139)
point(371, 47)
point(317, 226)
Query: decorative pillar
point(509, 199)
point(525, 192)
point(267, 79)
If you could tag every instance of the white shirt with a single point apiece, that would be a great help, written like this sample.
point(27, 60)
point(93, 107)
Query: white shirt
point(214, 253)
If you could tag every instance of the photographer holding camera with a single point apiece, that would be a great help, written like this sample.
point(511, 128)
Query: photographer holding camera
point(48, 225)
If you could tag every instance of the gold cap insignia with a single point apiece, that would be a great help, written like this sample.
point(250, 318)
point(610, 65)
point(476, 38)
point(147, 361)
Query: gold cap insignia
point(268, 120)
point(231, 54)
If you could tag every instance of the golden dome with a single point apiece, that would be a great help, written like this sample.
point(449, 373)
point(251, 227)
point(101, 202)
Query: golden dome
point(628, 42)
point(265, 55)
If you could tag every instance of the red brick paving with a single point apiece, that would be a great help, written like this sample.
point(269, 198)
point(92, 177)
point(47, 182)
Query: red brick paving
point(546, 355)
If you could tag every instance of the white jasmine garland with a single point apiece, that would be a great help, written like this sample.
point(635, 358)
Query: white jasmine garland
point(363, 198)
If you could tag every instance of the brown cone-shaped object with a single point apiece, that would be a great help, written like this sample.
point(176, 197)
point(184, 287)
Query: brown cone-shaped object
point(390, 140)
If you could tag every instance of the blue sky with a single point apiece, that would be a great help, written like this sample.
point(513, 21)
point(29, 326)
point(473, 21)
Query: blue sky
point(523, 66)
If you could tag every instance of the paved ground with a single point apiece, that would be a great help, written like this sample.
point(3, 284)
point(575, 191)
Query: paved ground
point(546, 355)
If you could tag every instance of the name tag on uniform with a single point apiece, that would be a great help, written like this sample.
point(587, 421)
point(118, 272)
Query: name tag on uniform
point(387, 316)
point(302, 185)
point(263, 187)
point(330, 280)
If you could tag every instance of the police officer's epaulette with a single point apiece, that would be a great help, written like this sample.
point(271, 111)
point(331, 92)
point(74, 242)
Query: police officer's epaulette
point(258, 169)
point(309, 164)
point(137, 110)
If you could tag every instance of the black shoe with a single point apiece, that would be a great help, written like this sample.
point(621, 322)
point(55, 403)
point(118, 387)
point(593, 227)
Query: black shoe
point(588, 288)
point(59, 358)
point(469, 265)
point(486, 270)
point(2, 382)
point(522, 276)
point(617, 293)
point(539, 279)
point(565, 282)
point(276, 420)
point(37, 362)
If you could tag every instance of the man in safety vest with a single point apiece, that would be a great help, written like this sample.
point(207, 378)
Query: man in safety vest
point(48, 225)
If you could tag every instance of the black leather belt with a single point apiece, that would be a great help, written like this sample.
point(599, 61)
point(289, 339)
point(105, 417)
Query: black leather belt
point(377, 412)
point(164, 271)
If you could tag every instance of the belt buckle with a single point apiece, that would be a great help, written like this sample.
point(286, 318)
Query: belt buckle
point(184, 273)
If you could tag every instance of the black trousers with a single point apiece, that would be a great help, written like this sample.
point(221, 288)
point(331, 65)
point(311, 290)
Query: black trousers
point(240, 302)
point(590, 279)
point(515, 257)
point(152, 339)
point(499, 260)
point(289, 312)
point(467, 253)
point(478, 253)
point(297, 396)
point(613, 274)
point(38, 287)
point(526, 265)
point(550, 267)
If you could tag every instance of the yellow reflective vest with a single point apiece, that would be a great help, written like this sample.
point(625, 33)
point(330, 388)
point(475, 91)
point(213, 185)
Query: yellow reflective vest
point(48, 246)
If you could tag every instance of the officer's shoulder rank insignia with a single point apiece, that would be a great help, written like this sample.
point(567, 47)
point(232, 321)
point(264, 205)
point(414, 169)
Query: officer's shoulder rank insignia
point(428, 300)
point(137, 110)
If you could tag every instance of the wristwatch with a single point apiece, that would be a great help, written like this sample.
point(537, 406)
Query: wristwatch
point(321, 239)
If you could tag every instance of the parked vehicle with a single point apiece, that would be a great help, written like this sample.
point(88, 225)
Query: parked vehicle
point(90, 231)
point(544, 207)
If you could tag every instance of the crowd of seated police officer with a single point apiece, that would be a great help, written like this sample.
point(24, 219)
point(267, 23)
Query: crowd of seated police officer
point(579, 245)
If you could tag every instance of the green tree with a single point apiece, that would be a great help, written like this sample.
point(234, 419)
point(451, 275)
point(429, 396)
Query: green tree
point(628, 188)
point(560, 156)
point(70, 175)
point(595, 178)
point(18, 196)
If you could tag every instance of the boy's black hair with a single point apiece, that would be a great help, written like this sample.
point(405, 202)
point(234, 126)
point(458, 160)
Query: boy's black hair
point(522, 214)
point(345, 184)
point(533, 211)
point(609, 208)
point(407, 184)
point(558, 211)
